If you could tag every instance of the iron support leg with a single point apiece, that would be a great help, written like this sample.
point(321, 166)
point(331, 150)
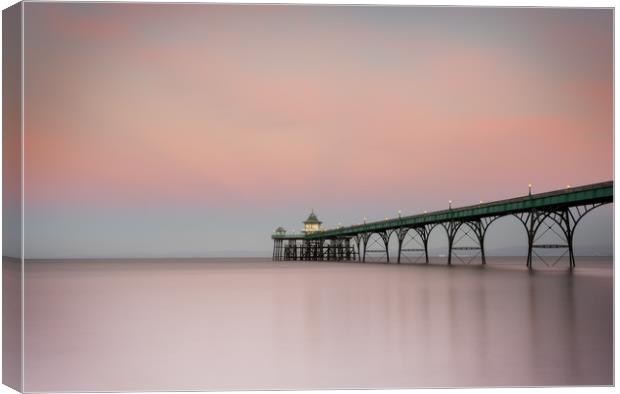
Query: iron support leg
point(451, 229)
point(364, 241)
point(385, 236)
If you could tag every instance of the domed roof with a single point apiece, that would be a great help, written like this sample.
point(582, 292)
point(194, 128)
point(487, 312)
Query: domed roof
point(312, 219)
point(280, 230)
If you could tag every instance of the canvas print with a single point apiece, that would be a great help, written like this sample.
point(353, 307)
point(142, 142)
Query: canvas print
point(278, 196)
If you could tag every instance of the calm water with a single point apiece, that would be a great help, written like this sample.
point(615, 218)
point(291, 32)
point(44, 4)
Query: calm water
point(254, 324)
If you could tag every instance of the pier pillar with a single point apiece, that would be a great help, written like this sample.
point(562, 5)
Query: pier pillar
point(365, 239)
point(422, 232)
point(385, 236)
point(381, 244)
point(347, 246)
point(359, 239)
point(401, 237)
point(474, 230)
point(451, 228)
point(480, 227)
point(278, 247)
point(425, 232)
point(569, 231)
point(561, 222)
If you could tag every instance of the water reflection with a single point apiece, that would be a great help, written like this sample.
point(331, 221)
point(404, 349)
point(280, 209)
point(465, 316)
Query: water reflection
point(263, 325)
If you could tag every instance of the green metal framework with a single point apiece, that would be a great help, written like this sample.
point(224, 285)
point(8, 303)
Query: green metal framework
point(599, 192)
point(563, 208)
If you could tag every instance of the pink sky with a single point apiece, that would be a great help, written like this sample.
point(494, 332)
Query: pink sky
point(258, 113)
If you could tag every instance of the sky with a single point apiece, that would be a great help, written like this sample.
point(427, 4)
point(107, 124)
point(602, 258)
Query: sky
point(189, 130)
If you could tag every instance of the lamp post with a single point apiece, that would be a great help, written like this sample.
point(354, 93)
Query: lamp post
point(364, 219)
point(529, 187)
point(450, 204)
point(399, 213)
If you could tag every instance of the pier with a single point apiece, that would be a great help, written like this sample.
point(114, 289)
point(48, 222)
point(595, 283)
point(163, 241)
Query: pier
point(558, 212)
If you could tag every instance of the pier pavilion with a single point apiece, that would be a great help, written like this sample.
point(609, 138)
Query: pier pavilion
point(297, 246)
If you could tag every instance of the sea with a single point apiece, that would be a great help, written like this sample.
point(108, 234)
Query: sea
point(255, 324)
